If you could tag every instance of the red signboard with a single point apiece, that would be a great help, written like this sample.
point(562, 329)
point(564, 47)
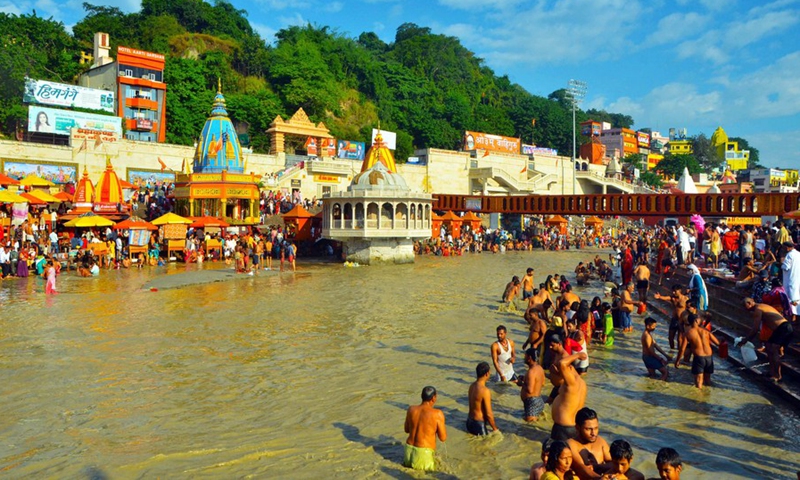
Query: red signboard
point(144, 124)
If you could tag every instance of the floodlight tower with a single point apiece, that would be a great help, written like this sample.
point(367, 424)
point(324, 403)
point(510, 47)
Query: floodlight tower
point(576, 91)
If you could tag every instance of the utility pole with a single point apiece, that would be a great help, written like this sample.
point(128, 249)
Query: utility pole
point(576, 91)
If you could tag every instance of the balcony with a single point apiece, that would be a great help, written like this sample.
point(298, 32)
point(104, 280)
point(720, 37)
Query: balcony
point(145, 103)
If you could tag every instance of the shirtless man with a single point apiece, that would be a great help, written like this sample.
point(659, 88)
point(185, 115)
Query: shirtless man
point(423, 424)
point(781, 333)
point(503, 356)
point(627, 303)
point(571, 392)
point(700, 340)
point(678, 300)
point(590, 452)
point(568, 296)
point(527, 284)
point(531, 385)
point(480, 403)
point(538, 328)
point(510, 293)
point(649, 347)
point(641, 275)
point(539, 299)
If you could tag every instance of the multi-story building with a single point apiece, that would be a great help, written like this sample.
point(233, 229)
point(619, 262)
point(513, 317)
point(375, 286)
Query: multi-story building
point(729, 151)
point(138, 78)
point(619, 142)
point(773, 180)
point(679, 144)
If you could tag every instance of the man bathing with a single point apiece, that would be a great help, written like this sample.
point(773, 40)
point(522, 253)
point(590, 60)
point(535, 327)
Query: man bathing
point(423, 424)
point(571, 395)
point(641, 275)
point(480, 403)
point(652, 361)
point(531, 385)
point(527, 284)
point(780, 336)
point(590, 452)
point(503, 356)
point(678, 300)
point(700, 340)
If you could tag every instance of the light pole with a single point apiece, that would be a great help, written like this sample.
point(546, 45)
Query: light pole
point(575, 92)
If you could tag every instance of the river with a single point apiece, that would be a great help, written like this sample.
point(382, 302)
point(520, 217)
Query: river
point(308, 375)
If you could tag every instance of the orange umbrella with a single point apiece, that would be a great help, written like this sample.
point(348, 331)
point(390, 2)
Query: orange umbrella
point(33, 200)
point(135, 223)
point(4, 180)
point(63, 196)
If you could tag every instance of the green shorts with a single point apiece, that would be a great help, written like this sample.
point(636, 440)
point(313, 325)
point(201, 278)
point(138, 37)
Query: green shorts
point(419, 458)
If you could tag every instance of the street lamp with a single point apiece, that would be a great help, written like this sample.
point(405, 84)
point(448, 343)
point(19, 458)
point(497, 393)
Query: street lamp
point(575, 92)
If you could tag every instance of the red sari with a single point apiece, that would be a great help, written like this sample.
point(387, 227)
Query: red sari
point(627, 266)
point(662, 247)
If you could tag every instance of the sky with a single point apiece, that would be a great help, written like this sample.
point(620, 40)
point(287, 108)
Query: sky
point(694, 64)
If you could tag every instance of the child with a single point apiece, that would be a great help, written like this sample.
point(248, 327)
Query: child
point(538, 469)
point(669, 464)
point(649, 347)
point(607, 337)
point(621, 457)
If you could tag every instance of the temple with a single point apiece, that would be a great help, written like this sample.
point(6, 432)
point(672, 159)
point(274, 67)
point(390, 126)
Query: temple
point(218, 186)
point(378, 218)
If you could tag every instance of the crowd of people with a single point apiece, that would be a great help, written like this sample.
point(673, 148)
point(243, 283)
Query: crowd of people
point(561, 330)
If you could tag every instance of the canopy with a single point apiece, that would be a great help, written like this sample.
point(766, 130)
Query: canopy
point(449, 216)
point(89, 220)
point(127, 185)
point(63, 197)
point(35, 181)
point(297, 212)
point(793, 215)
point(593, 221)
point(470, 217)
point(44, 196)
point(135, 223)
point(170, 218)
point(32, 199)
point(11, 197)
point(556, 219)
point(207, 221)
point(4, 180)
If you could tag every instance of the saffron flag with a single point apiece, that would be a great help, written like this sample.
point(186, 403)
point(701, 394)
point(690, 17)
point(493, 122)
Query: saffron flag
point(98, 141)
point(80, 148)
point(163, 165)
point(486, 154)
point(524, 169)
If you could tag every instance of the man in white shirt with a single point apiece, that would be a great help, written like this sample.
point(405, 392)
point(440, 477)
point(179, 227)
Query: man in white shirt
point(53, 242)
point(5, 261)
point(791, 275)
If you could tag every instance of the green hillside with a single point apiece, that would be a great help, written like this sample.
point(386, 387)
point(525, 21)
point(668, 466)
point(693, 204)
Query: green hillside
point(426, 87)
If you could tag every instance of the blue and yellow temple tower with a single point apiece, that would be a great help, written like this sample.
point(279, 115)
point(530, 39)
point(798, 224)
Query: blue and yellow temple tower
point(218, 186)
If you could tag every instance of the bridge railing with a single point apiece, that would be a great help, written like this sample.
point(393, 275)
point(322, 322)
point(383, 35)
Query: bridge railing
point(638, 205)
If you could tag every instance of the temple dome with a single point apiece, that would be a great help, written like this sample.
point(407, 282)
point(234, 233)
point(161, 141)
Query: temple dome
point(379, 153)
point(218, 147)
point(714, 189)
point(84, 190)
point(378, 177)
point(109, 188)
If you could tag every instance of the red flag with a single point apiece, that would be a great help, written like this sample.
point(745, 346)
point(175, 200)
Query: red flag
point(524, 169)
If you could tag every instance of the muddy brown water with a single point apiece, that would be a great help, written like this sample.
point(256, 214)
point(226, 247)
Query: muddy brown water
point(308, 375)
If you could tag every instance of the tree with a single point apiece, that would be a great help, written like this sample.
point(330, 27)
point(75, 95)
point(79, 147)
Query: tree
point(673, 165)
point(651, 178)
point(705, 153)
point(755, 160)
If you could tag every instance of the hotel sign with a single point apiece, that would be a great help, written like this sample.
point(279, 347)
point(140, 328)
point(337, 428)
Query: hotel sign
point(492, 143)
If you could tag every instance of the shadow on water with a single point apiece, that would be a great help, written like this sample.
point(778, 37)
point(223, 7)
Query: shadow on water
point(389, 448)
point(410, 349)
point(94, 473)
point(465, 372)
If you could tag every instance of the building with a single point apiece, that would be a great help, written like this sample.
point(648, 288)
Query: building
point(774, 180)
point(729, 151)
point(619, 142)
point(643, 142)
point(138, 78)
point(679, 144)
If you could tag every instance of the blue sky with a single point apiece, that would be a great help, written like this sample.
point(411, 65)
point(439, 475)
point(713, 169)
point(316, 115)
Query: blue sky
point(696, 64)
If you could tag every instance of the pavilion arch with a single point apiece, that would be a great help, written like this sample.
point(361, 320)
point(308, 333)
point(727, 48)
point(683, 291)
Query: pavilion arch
point(401, 215)
point(387, 215)
point(298, 125)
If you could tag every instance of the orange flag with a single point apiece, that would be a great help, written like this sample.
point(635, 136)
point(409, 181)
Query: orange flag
point(163, 165)
point(524, 169)
point(486, 154)
point(98, 141)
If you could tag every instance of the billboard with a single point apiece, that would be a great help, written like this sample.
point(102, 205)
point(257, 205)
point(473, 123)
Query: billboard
point(534, 150)
point(149, 178)
point(643, 139)
point(42, 92)
point(58, 173)
point(389, 138)
point(489, 142)
point(61, 122)
point(350, 150)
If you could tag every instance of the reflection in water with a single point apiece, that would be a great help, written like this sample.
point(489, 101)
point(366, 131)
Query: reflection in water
point(311, 372)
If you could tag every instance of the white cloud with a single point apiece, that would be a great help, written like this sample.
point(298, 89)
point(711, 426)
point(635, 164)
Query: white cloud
point(284, 4)
point(774, 149)
point(677, 26)
point(295, 19)
point(266, 32)
point(13, 8)
point(378, 27)
point(334, 7)
point(772, 91)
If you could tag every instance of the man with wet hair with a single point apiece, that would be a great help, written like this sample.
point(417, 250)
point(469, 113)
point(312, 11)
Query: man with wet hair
point(527, 284)
point(700, 340)
point(621, 457)
point(678, 300)
point(590, 452)
point(649, 348)
point(423, 424)
point(669, 464)
point(571, 395)
point(503, 356)
point(781, 333)
point(480, 403)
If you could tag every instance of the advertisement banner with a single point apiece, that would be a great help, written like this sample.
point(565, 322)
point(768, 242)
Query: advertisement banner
point(534, 150)
point(492, 143)
point(42, 92)
point(311, 146)
point(643, 139)
point(328, 147)
point(351, 150)
point(149, 178)
point(58, 173)
point(61, 122)
point(389, 138)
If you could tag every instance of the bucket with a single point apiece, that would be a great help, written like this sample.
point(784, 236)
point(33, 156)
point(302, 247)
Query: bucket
point(642, 308)
point(749, 355)
point(723, 349)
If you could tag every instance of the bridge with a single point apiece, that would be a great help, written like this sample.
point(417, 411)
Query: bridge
point(634, 205)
